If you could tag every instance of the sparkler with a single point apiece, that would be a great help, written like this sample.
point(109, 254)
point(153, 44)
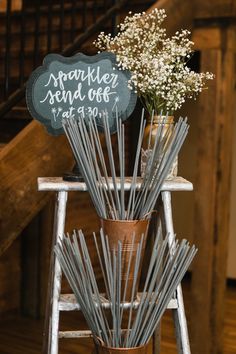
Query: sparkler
point(108, 201)
point(165, 272)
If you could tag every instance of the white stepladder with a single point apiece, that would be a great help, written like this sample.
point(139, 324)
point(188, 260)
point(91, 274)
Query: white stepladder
point(66, 302)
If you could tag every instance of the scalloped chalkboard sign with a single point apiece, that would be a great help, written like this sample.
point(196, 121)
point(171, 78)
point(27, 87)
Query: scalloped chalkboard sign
point(79, 86)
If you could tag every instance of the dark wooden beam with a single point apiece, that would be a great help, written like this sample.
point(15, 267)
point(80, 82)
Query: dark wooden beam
point(212, 202)
point(46, 236)
point(30, 154)
point(10, 279)
point(16, 5)
point(36, 249)
point(206, 38)
point(214, 9)
point(179, 14)
point(30, 281)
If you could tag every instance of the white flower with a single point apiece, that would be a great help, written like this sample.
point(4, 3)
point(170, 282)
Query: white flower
point(158, 65)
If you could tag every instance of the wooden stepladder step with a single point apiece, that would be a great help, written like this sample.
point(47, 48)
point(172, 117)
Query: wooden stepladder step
point(66, 302)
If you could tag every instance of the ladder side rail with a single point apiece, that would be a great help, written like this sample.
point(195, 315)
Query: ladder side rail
point(181, 328)
point(53, 321)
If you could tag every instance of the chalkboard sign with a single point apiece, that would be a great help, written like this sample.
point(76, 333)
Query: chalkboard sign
point(79, 86)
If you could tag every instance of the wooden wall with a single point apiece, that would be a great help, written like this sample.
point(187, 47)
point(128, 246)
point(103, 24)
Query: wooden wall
point(231, 270)
point(15, 5)
point(10, 279)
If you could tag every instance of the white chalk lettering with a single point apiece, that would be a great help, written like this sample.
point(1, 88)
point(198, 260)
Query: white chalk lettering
point(100, 94)
point(64, 96)
point(93, 75)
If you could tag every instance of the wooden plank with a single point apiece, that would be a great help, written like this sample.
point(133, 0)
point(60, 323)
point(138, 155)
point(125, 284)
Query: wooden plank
point(68, 303)
point(179, 14)
point(216, 8)
point(57, 184)
point(36, 249)
point(213, 37)
point(212, 205)
point(16, 5)
point(10, 280)
point(75, 334)
point(206, 38)
point(30, 280)
point(45, 249)
point(30, 154)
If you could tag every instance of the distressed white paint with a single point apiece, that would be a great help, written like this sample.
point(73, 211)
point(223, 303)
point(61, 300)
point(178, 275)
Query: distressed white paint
point(75, 334)
point(181, 329)
point(68, 303)
point(56, 286)
point(57, 184)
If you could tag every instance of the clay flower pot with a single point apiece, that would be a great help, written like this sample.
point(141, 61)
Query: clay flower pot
point(123, 230)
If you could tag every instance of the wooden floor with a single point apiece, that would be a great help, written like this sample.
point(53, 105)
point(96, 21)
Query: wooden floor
point(24, 336)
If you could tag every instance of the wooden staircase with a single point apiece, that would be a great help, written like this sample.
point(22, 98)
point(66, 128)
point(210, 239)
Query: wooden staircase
point(29, 151)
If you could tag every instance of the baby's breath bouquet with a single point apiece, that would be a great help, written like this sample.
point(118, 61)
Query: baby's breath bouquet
point(158, 64)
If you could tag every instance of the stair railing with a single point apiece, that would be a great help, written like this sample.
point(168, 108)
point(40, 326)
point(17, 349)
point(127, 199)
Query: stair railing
point(103, 12)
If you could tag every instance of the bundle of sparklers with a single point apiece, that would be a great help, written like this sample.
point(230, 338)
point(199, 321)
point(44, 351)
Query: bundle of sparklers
point(105, 313)
point(167, 267)
point(108, 194)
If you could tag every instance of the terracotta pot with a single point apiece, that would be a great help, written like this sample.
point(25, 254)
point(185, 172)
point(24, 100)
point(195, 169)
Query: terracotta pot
point(123, 230)
point(168, 125)
point(100, 349)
